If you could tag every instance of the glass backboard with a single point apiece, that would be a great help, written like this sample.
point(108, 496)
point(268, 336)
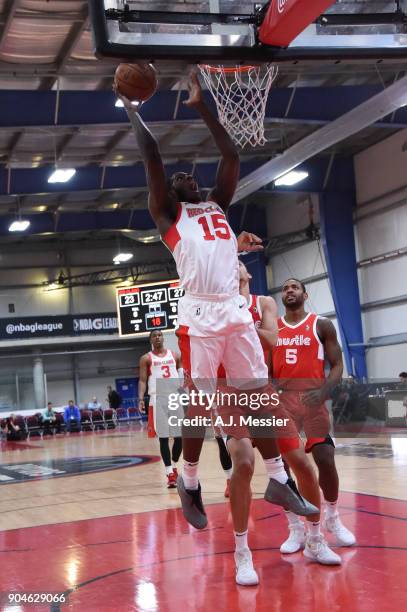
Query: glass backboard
point(242, 30)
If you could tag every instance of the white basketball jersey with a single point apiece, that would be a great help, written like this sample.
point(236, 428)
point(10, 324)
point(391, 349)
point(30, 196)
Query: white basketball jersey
point(205, 249)
point(162, 366)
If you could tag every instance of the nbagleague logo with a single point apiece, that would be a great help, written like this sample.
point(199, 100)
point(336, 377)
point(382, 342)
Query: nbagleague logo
point(12, 473)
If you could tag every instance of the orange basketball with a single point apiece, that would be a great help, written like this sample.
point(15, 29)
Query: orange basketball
point(136, 81)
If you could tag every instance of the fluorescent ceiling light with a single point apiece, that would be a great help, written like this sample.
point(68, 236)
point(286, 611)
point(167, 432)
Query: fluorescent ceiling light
point(148, 239)
point(291, 178)
point(61, 175)
point(122, 257)
point(19, 225)
point(119, 103)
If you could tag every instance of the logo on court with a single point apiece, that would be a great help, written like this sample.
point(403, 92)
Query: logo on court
point(11, 473)
point(281, 5)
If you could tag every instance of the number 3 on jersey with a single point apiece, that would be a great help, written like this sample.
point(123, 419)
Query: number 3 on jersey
point(219, 225)
point(166, 371)
point(291, 355)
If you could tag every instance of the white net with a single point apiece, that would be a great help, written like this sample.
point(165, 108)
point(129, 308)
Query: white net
point(241, 96)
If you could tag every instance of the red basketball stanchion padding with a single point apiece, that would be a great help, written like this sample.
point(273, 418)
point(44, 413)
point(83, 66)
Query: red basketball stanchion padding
point(151, 433)
point(286, 19)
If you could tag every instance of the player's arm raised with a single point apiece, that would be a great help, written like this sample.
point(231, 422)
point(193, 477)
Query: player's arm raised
point(227, 175)
point(327, 334)
point(142, 381)
point(161, 203)
point(268, 330)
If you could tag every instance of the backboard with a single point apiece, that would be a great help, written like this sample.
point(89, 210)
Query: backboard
point(244, 30)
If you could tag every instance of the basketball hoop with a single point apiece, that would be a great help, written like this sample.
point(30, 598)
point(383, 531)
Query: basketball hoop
point(241, 94)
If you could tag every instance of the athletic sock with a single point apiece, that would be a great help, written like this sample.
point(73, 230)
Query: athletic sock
point(190, 475)
point(168, 469)
point(331, 508)
point(228, 473)
point(314, 529)
point(241, 541)
point(275, 469)
point(293, 519)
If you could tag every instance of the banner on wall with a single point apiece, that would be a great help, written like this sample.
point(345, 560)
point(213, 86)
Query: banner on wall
point(19, 328)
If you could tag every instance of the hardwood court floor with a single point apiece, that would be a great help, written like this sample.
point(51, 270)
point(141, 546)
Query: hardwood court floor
point(115, 540)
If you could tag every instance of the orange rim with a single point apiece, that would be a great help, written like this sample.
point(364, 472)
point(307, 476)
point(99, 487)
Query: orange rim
point(226, 69)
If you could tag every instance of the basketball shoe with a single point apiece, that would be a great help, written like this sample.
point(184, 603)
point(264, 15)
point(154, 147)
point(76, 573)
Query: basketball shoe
point(246, 575)
point(171, 481)
point(295, 540)
point(316, 549)
point(288, 496)
point(334, 525)
point(192, 505)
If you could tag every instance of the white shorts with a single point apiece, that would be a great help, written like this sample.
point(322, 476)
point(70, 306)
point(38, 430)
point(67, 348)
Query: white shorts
point(212, 333)
point(167, 423)
point(208, 318)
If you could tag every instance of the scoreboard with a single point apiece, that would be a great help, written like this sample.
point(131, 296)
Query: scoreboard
point(143, 308)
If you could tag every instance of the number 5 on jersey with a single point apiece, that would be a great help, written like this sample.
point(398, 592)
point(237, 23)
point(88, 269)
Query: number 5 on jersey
point(291, 355)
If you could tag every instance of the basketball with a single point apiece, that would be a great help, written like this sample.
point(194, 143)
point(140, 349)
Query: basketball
point(136, 81)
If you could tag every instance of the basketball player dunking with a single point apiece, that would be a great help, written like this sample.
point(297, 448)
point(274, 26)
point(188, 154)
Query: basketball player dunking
point(215, 325)
point(305, 341)
point(265, 316)
point(160, 363)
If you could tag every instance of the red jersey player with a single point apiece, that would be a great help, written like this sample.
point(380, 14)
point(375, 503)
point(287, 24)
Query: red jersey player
point(214, 324)
point(305, 341)
point(160, 363)
point(265, 316)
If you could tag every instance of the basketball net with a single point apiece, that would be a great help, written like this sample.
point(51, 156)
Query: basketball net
point(241, 95)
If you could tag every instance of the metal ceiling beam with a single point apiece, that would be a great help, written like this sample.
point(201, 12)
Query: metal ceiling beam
point(66, 141)
point(9, 13)
point(114, 142)
point(352, 122)
point(67, 48)
point(13, 144)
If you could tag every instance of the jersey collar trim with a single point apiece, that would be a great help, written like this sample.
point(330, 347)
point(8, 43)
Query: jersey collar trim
point(291, 326)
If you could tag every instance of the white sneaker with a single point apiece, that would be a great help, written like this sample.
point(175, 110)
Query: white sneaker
point(316, 549)
point(295, 540)
point(343, 536)
point(246, 575)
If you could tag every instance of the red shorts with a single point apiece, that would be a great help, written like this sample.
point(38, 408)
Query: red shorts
point(241, 414)
point(312, 420)
point(261, 416)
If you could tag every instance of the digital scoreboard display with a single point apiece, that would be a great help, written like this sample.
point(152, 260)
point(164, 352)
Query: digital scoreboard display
point(143, 308)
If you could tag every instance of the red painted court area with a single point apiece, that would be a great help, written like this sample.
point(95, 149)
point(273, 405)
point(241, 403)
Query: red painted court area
point(154, 561)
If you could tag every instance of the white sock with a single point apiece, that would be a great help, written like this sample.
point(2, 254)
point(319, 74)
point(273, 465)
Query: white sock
point(241, 541)
point(174, 465)
point(331, 509)
point(228, 473)
point(275, 469)
point(293, 519)
point(314, 529)
point(190, 475)
point(168, 469)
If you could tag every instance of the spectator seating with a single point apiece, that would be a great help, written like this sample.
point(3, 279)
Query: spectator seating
point(60, 421)
point(86, 420)
point(97, 419)
point(109, 417)
point(134, 414)
point(33, 425)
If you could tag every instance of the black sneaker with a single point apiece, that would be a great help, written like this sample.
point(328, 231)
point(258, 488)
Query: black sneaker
point(288, 496)
point(192, 506)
